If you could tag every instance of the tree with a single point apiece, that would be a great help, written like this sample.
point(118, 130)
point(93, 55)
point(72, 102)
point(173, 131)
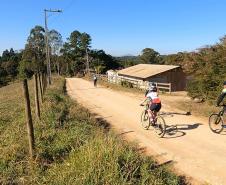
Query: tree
point(102, 61)
point(56, 44)
point(73, 53)
point(149, 56)
point(85, 41)
point(34, 54)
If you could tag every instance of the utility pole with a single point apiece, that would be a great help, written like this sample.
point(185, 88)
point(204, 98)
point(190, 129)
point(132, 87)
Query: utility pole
point(47, 44)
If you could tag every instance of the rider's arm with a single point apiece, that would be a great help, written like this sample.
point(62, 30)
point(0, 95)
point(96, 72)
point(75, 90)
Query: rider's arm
point(143, 101)
point(221, 97)
point(146, 93)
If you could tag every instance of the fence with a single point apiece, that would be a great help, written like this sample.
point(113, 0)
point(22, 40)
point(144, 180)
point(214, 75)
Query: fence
point(140, 84)
point(164, 86)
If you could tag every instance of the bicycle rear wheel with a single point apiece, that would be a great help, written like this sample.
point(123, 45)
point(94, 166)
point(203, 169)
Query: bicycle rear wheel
point(145, 122)
point(216, 123)
point(160, 126)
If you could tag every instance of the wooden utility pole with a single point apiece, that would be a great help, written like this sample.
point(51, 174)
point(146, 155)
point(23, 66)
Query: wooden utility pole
point(30, 129)
point(37, 106)
point(47, 45)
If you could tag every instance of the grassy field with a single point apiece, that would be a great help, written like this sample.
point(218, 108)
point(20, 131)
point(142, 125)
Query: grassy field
point(72, 147)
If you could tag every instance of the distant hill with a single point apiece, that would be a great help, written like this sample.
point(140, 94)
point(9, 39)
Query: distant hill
point(127, 57)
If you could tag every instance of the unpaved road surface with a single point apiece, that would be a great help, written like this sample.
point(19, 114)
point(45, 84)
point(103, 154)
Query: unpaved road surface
point(193, 149)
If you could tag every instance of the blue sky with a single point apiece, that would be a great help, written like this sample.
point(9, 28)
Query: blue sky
point(120, 27)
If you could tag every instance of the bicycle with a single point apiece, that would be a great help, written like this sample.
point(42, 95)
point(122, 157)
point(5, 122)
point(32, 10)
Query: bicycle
point(216, 122)
point(158, 122)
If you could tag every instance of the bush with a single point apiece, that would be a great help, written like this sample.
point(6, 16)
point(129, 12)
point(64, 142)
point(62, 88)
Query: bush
point(127, 84)
point(207, 88)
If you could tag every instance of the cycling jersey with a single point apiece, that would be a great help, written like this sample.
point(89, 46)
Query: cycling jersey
point(221, 97)
point(154, 97)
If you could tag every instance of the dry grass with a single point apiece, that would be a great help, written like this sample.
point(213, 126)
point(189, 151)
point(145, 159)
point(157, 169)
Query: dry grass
point(71, 146)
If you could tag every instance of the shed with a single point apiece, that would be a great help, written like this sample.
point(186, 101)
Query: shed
point(170, 74)
point(112, 76)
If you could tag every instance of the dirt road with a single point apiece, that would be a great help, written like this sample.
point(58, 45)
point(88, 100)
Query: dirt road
point(194, 150)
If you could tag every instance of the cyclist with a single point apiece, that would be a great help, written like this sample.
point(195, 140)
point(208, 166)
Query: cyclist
point(154, 101)
point(222, 95)
point(94, 80)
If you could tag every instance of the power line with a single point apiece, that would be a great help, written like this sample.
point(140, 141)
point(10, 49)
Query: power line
point(67, 7)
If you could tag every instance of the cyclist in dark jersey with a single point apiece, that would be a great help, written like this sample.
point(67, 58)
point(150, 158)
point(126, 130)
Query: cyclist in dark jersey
point(222, 95)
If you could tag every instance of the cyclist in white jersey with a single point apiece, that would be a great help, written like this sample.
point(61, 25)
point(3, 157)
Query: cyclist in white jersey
point(154, 101)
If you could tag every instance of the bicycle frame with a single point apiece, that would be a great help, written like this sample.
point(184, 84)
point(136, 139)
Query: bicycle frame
point(158, 123)
point(221, 114)
point(154, 114)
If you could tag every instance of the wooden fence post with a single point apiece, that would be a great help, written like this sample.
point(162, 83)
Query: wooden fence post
point(44, 82)
point(40, 86)
point(30, 129)
point(37, 106)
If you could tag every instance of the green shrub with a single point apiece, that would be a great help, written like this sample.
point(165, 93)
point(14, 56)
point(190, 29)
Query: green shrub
point(207, 88)
point(127, 84)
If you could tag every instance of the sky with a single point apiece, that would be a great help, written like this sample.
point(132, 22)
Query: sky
point(119, 27)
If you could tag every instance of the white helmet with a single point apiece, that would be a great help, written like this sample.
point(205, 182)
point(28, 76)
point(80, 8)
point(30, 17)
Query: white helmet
point(152, 87)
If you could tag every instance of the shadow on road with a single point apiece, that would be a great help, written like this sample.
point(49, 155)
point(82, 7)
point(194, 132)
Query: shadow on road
point(178, 130)
point(175, 113)
point(167, 163)
point(102, 122)
point(89, 88)
point(127, 132)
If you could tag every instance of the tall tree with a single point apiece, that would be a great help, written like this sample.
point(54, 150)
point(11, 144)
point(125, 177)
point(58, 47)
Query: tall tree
point(149, 56)
point(56, 44)
point(34, 52)
point(36, 44)
point(85, 45)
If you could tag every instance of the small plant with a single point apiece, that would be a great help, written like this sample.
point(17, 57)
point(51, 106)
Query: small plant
point(127, 84)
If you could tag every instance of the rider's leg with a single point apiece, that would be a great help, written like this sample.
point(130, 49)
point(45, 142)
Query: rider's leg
point(149, 113)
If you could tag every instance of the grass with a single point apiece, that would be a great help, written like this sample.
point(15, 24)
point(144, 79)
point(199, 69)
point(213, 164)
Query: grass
point(72, 147)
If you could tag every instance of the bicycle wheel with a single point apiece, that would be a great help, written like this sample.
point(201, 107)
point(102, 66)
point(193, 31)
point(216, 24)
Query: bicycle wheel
point(216, 123)
point(160, 126)
point(145, 123)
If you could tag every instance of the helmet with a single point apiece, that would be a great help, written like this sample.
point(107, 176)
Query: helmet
point(224, 83)
point(152, 84)
point(153, 87)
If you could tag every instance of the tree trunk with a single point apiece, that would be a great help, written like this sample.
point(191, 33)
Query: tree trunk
point(43, 83)
point(58, 68)
point(37, 107)
point(87, 62)
point(67, 68)
point(30, 129)
point(40, 86)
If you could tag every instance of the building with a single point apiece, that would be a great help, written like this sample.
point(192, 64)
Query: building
point(112, 76)
point(172, 77)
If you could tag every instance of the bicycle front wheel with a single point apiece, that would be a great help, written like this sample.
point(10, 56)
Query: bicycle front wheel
point(160, 126)
point(216, 123)
point(145, 122)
